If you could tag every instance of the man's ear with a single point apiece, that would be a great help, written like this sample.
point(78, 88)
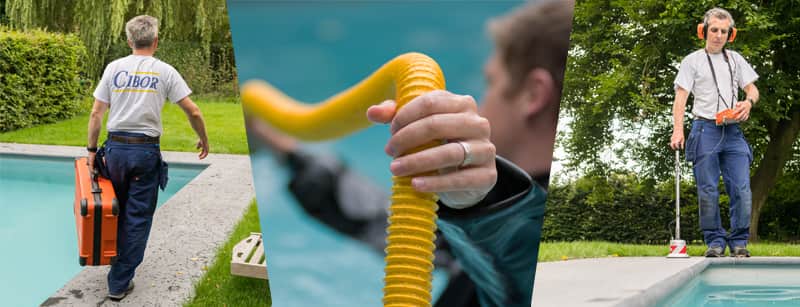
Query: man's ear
point(155, 43)
point(538, 92)
point(130, 44)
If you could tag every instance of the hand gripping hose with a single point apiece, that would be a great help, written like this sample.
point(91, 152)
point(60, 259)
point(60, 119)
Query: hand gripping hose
point(412, 218)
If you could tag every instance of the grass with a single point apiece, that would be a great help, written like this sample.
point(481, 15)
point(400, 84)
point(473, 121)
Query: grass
point(218, 287)
point(224, 125)
point(559, 251)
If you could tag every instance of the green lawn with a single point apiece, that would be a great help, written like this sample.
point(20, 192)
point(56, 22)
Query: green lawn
point(224, 125)
point(558, 251)
point(218, 287)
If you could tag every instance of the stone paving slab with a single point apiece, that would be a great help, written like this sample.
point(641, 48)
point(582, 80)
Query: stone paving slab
point(623, 281)
point(186, 232)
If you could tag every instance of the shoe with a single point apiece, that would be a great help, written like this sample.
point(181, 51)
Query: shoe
point(714, 251)
point(740, 251)
point(120, 296)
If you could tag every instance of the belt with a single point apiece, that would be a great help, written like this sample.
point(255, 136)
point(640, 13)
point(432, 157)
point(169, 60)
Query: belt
point(705, 119)
point(134, 139)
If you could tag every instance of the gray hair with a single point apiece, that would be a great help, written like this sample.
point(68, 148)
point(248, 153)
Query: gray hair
point(142, 31)
point(718, 13)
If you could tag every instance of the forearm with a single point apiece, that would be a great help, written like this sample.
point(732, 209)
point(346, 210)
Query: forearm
point(679, 109)
point(751, 91)
point(198, 124)
point(95, 123)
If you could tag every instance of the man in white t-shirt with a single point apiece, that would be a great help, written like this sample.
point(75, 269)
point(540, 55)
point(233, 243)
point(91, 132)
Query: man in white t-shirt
point(133, 90)
point(714, 75)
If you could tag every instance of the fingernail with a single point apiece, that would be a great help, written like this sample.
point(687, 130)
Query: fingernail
point(418, 183)
point(396, 167)
point(389, 151)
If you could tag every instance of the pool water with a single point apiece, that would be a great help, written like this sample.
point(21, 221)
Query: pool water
point(37, 225)
point(312, 50)
point(742, 285)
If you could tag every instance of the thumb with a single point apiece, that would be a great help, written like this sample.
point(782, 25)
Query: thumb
point(382, 113)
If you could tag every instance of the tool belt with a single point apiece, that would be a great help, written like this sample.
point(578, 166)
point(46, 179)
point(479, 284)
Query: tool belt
point(134, 139)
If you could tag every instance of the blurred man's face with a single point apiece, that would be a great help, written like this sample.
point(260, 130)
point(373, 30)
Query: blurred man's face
point(502, 110)
point(717, 34)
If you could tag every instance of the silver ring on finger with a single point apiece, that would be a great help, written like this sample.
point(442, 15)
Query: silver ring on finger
point(467, 153)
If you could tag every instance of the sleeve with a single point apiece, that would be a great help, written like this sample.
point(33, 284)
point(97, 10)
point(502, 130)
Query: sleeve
point(103, 90)
point(339, 198)
point(497, 241)
point(178, 89)
point(685, 77)
point(746, 72)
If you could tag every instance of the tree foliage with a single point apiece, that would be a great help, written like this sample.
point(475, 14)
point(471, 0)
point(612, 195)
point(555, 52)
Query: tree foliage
point(623, 61)
point(618, 89)
point(100, 23)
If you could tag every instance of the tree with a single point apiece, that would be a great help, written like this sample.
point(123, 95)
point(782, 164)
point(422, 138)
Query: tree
point(619, 84)
point(100, 23)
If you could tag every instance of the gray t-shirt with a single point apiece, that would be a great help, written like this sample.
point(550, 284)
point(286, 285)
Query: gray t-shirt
point(695, 76)
point(135, 87)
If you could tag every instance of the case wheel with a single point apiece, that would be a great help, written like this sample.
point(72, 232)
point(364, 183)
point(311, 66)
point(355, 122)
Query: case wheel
point(115, 207)
point(82, 261)
point(84, 207)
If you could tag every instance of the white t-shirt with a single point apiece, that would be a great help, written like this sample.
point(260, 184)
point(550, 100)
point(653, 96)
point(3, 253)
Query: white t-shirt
point(135, 87)
point(695, 76)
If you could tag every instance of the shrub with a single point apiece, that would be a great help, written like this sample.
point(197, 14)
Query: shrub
point(39, 78)
point(622, 208)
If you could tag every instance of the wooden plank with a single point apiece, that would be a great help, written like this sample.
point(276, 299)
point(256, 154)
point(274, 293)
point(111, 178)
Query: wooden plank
point(256, 259)
point(252, 268)
point(243, 249)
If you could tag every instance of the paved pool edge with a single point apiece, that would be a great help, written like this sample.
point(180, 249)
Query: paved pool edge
point(186, 232)
point(623, 281)
point(658, 292)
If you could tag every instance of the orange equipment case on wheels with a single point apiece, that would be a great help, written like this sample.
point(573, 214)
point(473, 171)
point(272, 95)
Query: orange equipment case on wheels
point(96, 211)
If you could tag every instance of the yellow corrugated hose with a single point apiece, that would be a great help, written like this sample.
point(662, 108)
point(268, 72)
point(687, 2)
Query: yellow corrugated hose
point(412, 219)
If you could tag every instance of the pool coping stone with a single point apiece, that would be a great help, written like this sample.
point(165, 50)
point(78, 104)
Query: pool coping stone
point(624, 281)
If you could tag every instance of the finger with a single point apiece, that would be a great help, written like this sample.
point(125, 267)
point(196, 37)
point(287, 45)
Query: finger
point(454, 126)
point(682, 142)
point(475, 178)
point(434, 102)
point(441, 157)
point(382, 113)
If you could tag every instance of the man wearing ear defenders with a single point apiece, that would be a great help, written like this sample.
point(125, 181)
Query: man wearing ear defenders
point(716, 144)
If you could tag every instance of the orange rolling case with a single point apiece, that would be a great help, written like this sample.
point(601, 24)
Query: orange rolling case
point(96, 211)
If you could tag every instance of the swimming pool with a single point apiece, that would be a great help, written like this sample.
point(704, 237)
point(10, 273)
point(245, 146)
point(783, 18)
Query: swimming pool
point(312, 50)
point(741, 285)
point(37, 226)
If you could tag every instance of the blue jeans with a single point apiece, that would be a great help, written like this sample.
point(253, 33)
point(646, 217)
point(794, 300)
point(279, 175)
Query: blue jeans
point(715, 150)
point(135, 172)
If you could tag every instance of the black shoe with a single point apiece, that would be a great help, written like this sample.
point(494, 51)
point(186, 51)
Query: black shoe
point(714, 251)
point(120, 296)
point(740, 251)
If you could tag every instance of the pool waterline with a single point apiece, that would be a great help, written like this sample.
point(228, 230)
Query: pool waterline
point(38, 223)
point(740, 283)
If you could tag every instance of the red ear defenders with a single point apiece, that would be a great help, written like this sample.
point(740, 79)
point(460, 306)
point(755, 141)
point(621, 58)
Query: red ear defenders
point(702, 32)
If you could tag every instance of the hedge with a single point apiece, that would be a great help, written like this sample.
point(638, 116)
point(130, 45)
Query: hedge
point(626, 209)
point(622, 208)
point(39, 78)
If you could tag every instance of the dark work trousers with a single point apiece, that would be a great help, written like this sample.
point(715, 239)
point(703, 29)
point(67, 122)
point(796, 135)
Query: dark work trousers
point(134, 170)
point(714, 151)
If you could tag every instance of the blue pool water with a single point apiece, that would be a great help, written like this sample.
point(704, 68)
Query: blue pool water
point(312, 50)
point(741, 285)
point(37, 225)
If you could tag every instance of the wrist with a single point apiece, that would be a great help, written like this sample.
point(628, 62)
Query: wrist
point(751, 100)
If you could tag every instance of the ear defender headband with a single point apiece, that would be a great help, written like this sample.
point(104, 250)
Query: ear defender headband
point(702, 32)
